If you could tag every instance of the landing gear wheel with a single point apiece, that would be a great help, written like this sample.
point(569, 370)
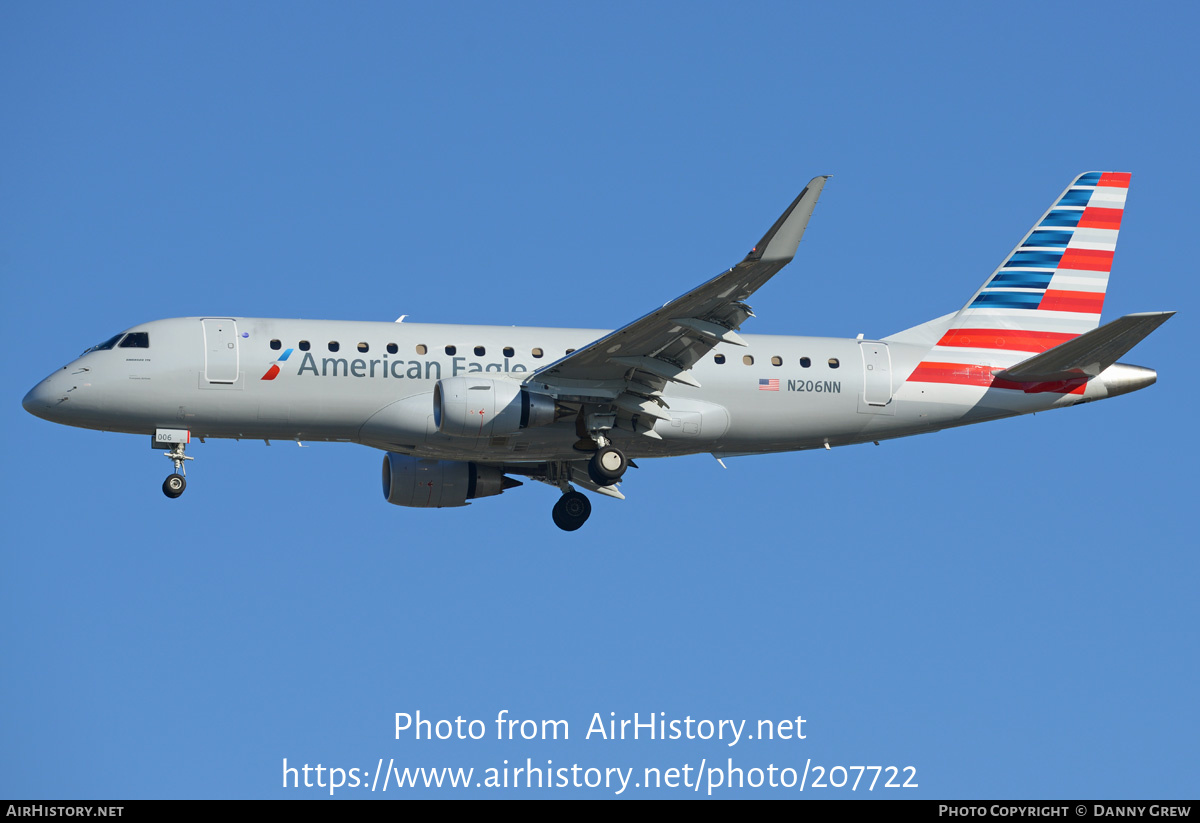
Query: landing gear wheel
point(174, 485)
point(607, 466)
point(571, 511)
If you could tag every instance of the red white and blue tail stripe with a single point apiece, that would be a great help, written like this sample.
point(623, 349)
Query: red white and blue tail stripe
point(1049, 289)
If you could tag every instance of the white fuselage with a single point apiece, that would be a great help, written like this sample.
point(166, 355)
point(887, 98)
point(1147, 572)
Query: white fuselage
point(373, 383)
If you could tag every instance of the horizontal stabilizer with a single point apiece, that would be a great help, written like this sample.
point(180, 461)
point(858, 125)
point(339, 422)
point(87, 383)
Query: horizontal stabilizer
point(1090, 353)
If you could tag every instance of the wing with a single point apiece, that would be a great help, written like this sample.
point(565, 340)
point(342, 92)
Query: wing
point(627, 369)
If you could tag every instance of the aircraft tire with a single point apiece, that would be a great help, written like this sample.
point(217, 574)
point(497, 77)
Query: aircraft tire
point(571, 511)
point(607, 466)
point(174, 485)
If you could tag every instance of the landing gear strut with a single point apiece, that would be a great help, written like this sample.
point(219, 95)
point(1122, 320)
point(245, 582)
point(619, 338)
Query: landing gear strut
point(608, 463)
point(174, 485)
point(571, 511)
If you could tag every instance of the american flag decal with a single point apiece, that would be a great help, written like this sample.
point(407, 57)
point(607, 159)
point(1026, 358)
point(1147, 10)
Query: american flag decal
point(768, 385)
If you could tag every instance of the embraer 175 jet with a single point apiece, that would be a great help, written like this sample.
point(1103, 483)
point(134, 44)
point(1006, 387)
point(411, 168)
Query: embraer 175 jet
point(459, 410)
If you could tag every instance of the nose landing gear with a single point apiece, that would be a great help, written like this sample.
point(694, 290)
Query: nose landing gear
point(174, 485)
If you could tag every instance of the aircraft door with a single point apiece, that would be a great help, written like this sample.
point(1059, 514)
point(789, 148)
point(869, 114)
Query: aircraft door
point(877, 373)
point(220, 350)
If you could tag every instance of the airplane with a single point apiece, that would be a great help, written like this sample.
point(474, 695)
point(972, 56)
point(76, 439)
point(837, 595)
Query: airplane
point(461, 412)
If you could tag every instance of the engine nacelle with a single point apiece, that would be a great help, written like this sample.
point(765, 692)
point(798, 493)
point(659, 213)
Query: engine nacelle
point(436, 484)
point(468, 406)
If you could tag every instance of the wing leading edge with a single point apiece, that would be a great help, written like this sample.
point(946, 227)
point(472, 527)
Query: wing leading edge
point(628, 368)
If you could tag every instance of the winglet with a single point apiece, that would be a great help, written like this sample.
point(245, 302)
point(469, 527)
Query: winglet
point(781, 241)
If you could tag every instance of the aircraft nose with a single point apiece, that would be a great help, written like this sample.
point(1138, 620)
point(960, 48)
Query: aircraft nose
point(42, 399)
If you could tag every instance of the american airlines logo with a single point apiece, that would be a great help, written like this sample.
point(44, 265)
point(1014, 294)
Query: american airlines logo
point(273, 372)
point(385, 368)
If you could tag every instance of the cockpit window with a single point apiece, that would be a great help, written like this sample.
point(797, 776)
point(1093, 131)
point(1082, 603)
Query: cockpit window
point(107, 344)
point(136, 340)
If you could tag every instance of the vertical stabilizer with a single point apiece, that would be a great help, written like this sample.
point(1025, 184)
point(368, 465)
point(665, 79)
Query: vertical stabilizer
point(1049, 289)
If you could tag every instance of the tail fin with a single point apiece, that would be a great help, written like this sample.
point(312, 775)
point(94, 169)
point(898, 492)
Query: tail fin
point(1051, 287)
point(1048, 290)
point(1054, 281)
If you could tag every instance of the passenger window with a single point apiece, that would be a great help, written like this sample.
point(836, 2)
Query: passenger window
point(805, 362)
point(776, 361)
point(106, 345)
point(537, 352)
point(508, 351)
point(392, 348)
point(748, 360)
point(276, 345)
point(833, 363)
point(451, 350)
point(363, 347)
point(305, 345)
point(480, 351)
point(421, 349)
point(719, 359)
point(334, 345)
point(136, 340)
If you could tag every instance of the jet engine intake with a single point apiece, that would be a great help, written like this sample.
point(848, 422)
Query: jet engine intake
point(467, 406)
point(437, 484)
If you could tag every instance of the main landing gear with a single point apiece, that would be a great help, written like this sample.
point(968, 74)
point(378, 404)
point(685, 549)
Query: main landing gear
point(605, 468)
point(174, 485)
point(571, 511)
point(607, 465)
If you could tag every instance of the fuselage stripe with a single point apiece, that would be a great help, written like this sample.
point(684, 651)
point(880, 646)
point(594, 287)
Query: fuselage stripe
point(967, 374)
point(1095, 217)
point(1007, 339)
point(1086, 260)
point(1086, 302)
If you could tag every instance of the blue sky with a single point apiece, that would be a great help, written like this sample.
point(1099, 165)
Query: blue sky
point(1008, 608)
